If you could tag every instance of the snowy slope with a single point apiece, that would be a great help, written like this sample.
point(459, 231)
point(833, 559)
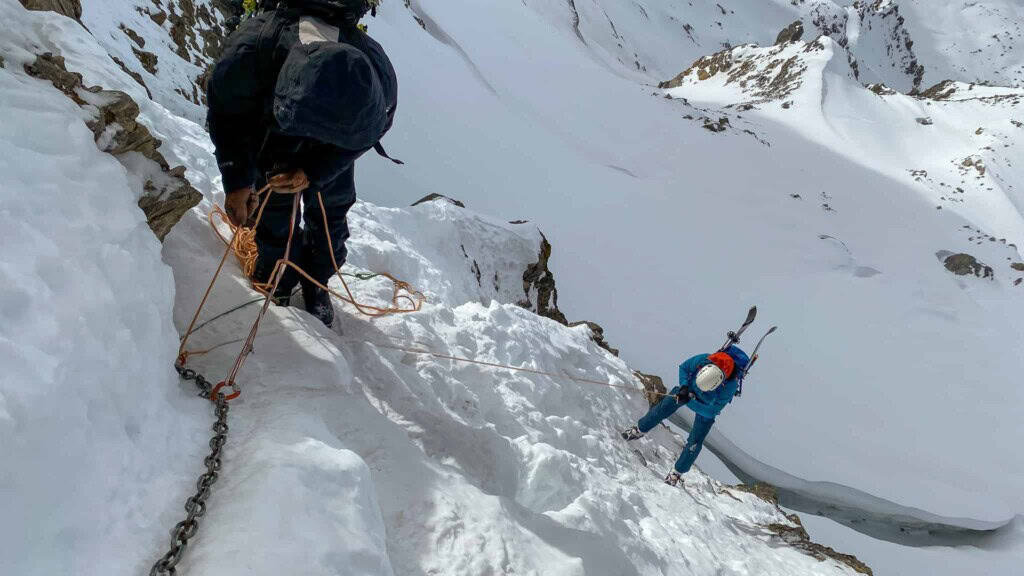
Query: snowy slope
point(875, 381)
point(344, 453)
point(890, 375)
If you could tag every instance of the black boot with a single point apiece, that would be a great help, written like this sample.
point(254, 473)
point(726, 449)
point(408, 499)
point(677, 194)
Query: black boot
point(317, 302)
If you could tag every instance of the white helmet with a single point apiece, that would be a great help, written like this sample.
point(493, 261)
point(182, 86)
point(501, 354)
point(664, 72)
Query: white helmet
point(709, 378)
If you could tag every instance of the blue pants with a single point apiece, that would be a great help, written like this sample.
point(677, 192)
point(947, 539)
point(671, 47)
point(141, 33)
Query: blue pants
point(701, 427)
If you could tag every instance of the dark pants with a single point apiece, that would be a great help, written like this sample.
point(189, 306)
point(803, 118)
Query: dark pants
point(309, 245)
point(701, 427)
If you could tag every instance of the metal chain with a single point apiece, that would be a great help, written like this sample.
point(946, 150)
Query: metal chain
point(195, 506)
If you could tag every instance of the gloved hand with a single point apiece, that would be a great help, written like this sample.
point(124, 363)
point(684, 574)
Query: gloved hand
point(684, 396)
point(289, 182)
point(240, 205)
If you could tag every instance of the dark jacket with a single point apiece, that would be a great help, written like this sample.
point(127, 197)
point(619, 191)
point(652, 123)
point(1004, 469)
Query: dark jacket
point(279, 103)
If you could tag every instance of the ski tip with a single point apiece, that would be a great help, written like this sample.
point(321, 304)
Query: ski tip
point(770, 330)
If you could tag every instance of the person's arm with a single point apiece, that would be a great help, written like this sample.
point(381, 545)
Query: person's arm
point(688, 369)
point(234, 115)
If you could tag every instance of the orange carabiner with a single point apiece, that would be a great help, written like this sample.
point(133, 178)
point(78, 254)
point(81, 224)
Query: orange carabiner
point(237, 392)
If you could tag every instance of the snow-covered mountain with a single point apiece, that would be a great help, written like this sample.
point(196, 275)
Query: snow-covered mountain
point(684, 161)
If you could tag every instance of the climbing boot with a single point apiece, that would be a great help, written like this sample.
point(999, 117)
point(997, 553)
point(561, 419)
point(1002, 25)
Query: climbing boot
point(633, 433)
point(317, 302)
point(674, 478)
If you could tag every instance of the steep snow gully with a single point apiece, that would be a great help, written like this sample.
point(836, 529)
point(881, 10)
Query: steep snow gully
point(374, 447)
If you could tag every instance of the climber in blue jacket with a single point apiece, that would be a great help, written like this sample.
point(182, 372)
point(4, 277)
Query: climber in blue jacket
point(707, 382)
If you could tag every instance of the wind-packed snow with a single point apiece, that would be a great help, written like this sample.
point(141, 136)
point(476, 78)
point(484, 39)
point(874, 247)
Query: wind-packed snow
point(826, 207)
point(344, 454)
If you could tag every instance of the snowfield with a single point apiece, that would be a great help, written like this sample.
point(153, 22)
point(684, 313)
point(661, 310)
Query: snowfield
point(376, 449)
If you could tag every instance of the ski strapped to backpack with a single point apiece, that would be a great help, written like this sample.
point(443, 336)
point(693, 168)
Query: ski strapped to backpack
point(734, 338)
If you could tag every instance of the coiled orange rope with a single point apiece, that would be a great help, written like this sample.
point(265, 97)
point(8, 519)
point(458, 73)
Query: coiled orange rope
point(243, 244)
point(246, 252)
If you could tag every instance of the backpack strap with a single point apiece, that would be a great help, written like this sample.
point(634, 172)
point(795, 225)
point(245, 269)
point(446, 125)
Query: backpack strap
point(379, 149)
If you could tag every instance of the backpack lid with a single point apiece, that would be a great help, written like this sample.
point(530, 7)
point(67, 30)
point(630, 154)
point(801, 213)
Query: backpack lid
point(330, 91)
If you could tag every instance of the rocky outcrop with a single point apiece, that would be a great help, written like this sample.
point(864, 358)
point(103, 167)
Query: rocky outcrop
point(596, 334)
point(166, 194)
point(148, 60)
point(965, 265)
point(539, 282)
point(796, 536)
point(654, 387)
point(763, 74)
point(882, 31)
point(69, 8)
point(791, 33)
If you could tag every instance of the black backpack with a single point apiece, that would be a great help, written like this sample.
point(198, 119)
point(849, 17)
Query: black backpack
point(333, 83)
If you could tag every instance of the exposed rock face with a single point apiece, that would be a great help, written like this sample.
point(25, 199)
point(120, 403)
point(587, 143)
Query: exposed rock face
point(166, 194)
point(764, 74)
point(597, 335)
point(69, 8)
point(796, 536)
point(790, 33)
point(880, 25)
point(539, 280)
point(654, 387)
point(147, 59)
point(1018, 266)
point(965, 265)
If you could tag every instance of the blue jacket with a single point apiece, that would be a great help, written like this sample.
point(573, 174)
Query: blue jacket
point(709, 404)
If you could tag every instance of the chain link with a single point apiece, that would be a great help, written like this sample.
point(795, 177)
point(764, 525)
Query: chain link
point(195, 506)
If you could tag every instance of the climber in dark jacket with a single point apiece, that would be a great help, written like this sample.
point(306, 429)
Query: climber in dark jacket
point(707, 383)
point(299, 94)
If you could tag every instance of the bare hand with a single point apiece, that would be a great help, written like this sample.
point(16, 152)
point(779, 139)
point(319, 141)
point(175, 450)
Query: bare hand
point(240, 205)
point(289, 182)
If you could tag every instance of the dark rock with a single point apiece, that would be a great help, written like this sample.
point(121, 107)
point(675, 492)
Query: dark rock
point(941, 91)
point(965, 265)
point(1018, 266)
point(926, 121)
point(596, 334)
point(159, 17)
point(69, 8)
point(881, 89)
point(51, 67)
point(139, 40)
point(147, 59)
point(135, 75)
point(720, 126)
point(441, 197)
point(795, 535)
point(166, 194)
point(654, 387)
point(539, 278)
point(791, 33)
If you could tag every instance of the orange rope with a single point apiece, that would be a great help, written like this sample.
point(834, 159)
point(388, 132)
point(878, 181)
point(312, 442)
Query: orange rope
point(243, 244)
point(247, 253)
point(552, 375)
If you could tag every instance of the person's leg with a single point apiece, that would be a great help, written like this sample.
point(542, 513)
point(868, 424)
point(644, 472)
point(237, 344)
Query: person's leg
point(272, 239)
point(316, 255)
point(701, 427)
point(659, 412)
